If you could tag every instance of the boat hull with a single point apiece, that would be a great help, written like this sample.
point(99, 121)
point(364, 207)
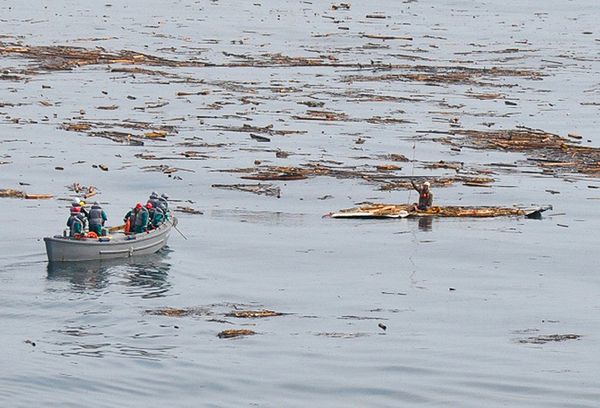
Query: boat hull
point(60, 249)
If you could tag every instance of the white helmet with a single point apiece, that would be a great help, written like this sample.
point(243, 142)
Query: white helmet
point(427, 184)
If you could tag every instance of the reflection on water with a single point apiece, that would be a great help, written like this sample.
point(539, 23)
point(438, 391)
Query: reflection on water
point(425, 223)
point(144, 276)
point(82, 275)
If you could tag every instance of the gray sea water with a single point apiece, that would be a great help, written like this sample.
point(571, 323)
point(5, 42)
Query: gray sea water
point(462, 300)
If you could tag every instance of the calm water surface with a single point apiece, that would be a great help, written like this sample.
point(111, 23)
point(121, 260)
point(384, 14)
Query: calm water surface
point(461, 299)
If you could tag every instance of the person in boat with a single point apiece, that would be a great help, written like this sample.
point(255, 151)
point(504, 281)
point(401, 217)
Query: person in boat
point(155, 216)
point(96, 218)
point(75, 223)
point(138, 219)
point(81, 213)
point(154, 199)
point(163, 203)
point(425, 196)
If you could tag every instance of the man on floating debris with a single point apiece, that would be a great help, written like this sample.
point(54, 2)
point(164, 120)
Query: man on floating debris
point(75, 223)
point(155, 215)
point(425, 196)
point(97, 218)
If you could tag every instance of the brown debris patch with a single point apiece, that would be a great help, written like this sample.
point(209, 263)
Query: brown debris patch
point(445, 165)
point(188, 210)
point(337, 335)
point(10, 193)
point(177, 312)
point(257, 129)
point(322, 115)
point(390, 210)
point(403, 183)
point(56, 57)
point(85, 190)
point(546, 150)
point(446, 75)
point(231, 333)
point(383, 174)
point(547, 338)
point(278, 173)
point(246, 314)
point(260, 189)
point(92, 129)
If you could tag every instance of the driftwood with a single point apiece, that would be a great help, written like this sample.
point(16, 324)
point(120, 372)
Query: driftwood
point(253, 313)
point(227, 334)
point(9, 192)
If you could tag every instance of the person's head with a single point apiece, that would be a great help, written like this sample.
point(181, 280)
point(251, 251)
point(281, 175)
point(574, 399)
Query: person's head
point(96, 204)
point(165, 196)
point(149, 205)
point(138, 206)
point(154, 195)
point(75, 202)
point(81, 203)
point(426, 185)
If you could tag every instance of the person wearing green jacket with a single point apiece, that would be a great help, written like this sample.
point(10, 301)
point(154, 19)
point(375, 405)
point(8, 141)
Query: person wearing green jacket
point(156, 216)
point(139, 219)
point(97, 218)
point(75, 223)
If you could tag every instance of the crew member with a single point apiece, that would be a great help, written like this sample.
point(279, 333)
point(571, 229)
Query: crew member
point(138, 218)
point(97, 218)
point(163, 203)
point(154, 199)
point(155, 215)
point(75, 223)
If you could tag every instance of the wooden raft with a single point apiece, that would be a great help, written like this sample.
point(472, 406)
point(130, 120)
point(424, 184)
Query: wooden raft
point(403, 210)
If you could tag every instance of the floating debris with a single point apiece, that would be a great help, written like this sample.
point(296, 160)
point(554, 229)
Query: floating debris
point(260, 189)
point(382, 174)
point(337, 335)
point(156, 134)
point(269, 130)
point(177, 312)
point(547, 338)
point(254, 313)
point(445, 74)
point(549, 151)
point(10, 193)
point(188, 210)
point(405, 210)
point(231, 333)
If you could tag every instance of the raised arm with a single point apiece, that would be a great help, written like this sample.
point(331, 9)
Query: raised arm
point(415, 186)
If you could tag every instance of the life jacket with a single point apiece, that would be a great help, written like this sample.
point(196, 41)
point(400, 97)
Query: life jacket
point(138, 218)
point(163, 204)
point(425, 198)
point(154, 201)
point(95, 216)
point(158, 217)
point(75, 225)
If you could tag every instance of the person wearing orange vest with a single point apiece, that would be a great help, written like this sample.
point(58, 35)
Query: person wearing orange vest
point(425, 196)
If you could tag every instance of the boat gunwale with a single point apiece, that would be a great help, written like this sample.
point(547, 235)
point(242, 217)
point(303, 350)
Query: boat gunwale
point(139, 237)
